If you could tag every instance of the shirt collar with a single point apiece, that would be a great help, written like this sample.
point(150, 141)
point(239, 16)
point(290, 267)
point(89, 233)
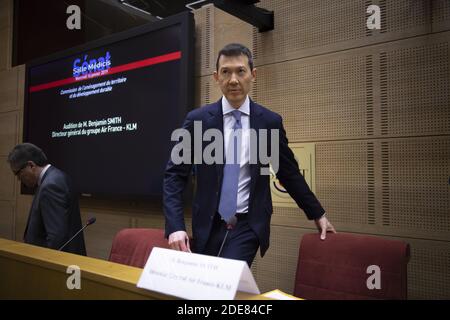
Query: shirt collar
point(41, 175)
point(227, 108)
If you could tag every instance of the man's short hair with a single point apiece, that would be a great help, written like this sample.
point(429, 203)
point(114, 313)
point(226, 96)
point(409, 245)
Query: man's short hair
point(24, 152)
point(235, 50)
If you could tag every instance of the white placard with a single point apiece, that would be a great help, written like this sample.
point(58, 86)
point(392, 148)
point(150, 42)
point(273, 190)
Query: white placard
point(196, 276)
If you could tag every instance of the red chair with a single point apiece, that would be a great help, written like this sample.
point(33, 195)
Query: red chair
point(337, 268)
point(133, 246)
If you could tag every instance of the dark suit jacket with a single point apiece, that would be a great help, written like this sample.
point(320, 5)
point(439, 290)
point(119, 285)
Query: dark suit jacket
point(209, 181)
point(55, 214)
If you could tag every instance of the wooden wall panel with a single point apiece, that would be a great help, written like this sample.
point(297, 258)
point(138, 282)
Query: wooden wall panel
point(8, 181)
point(440, 15)
point(5, 48)
point(415, 186)
point(6, 219)
point(415, 93)
point(204, 44)
point(5, 14)
point(5, 33)
point(428, 276)
point(323, 98)
point(8, 90)
point(8, 132)
point(306, 27)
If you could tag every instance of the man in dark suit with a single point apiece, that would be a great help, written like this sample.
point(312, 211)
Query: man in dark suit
point(233, 201)
point(54, 214)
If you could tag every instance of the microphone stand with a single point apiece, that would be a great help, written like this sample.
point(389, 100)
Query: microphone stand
point(91, 221)
point(230, 225)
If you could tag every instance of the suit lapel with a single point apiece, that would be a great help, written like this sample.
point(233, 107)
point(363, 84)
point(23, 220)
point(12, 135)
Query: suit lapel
point(216, 121)
point(256, 123)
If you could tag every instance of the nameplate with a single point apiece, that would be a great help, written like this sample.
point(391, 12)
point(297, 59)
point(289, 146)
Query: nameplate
point(196, 276)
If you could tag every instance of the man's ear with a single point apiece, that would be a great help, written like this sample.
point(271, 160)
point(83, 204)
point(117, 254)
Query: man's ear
point(216, 76)
point(254, 74)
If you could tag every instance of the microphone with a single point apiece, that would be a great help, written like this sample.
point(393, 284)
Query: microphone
point(231, 222)
point(88, 223)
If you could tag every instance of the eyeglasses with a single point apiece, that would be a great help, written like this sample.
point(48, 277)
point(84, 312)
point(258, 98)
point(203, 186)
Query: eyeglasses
point(17, 173)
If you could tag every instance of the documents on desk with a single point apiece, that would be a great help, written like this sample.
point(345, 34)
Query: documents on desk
point(279, 295)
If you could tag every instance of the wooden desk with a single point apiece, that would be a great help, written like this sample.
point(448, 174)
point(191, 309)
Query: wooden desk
point(31, 272)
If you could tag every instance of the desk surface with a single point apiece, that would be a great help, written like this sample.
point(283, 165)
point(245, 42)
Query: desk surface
point(31, 272)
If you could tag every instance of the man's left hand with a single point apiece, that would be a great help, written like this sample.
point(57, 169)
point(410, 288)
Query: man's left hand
point(324, 226)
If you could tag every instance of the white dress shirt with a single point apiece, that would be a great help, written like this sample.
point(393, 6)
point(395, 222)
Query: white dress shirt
point(41, 175)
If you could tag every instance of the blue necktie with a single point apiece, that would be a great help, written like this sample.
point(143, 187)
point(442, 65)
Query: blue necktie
point(228, 196)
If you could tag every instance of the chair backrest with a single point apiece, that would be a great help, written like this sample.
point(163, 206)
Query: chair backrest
point(133, 246)
point(342, 266)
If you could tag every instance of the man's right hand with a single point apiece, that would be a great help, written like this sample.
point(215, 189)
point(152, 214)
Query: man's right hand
point(179, 240)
